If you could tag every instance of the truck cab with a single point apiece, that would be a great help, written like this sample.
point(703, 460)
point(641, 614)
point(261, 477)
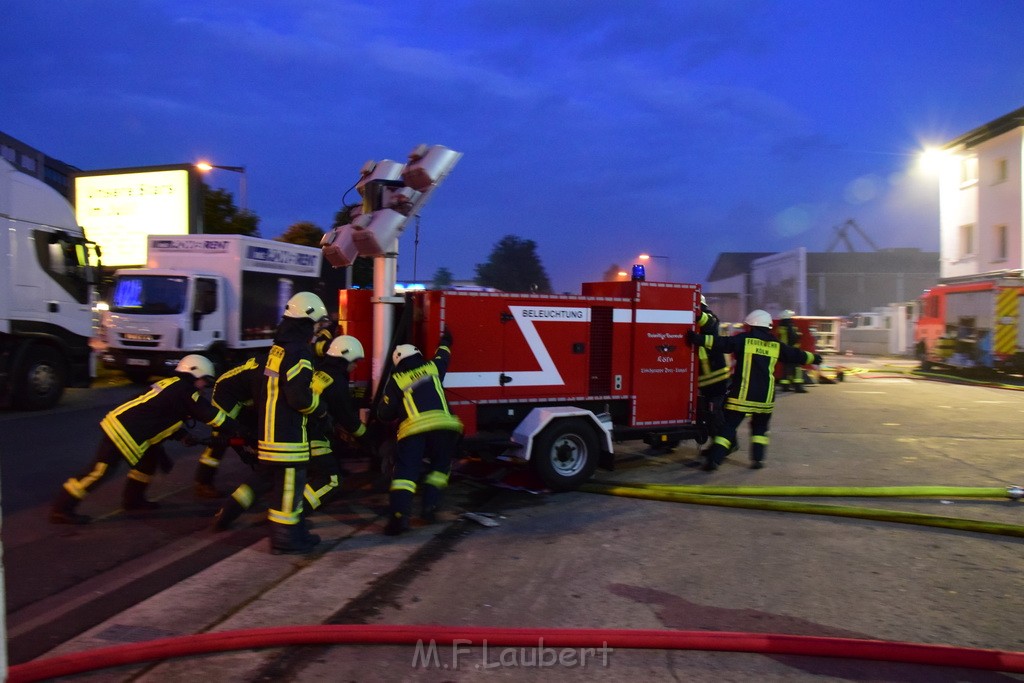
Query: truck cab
point(156, 316)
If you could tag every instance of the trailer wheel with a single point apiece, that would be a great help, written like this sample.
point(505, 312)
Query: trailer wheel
point(566, 453)
point(42, 379)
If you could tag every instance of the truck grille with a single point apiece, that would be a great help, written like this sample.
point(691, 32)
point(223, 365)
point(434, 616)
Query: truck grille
point(139, 341)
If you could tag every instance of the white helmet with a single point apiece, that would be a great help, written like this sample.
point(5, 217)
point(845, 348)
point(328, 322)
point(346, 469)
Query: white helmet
point(196, 365)
point(703, 301)
point(403, 351)
point(758, 318)
point(305, 305)
point(787, 314)
point(344, 346)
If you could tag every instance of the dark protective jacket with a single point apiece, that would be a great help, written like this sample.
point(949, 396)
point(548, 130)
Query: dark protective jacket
point(285, 398)
point(789, 333)
point(237, 387)
point(136, 425)
point(752, 389)
point(336, 398)
point(414, 395)
point(713, 369)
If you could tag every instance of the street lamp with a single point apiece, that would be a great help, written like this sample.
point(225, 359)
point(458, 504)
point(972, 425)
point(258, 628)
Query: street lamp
point(206, 167)
point(668, 264)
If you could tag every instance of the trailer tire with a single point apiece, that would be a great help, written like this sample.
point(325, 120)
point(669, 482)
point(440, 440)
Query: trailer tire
point(566, 453)
point(42, 379)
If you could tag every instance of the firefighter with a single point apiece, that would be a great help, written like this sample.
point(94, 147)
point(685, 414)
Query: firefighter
point(340, 358)
point(792, 375)
point(712, 375)
point(233, 393)
point(135, 431)
point(286, 397)
point(414, 395)
point(752, 390)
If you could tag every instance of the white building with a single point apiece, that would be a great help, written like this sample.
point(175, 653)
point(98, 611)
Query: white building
point(980, 199)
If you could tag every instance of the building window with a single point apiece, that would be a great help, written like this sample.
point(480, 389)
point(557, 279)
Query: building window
point(968, 171)
point(966, 240)
point(1001, 170)
point(1000, 241)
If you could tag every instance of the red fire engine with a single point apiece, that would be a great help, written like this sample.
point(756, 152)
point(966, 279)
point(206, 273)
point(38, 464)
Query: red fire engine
point(973, 321)
point(554, 380)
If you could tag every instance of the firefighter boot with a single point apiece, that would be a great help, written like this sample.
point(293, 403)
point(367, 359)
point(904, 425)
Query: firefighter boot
point(399, 510)
point(757, 452)
point(240, 501)
point(431, 503)
point(291, 539)
point(134, 497)
point(799, 388)
point(63, 510)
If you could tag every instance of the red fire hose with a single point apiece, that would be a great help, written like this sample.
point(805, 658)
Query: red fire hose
point(722, 641)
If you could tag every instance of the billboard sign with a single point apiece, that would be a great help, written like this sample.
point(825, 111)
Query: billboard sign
point(120, 209)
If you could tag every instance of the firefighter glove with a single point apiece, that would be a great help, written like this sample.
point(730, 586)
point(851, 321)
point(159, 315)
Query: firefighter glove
point(446, 337)
point(692, 338)
point(817, 359)
point(321, 380)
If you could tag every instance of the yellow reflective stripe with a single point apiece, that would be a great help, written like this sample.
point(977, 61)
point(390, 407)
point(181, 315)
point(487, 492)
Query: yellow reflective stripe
point(319, 447)
point(77, 487)
point(722, 441)
point(747, 406)
point(288, 490)
point(282, 452)
point(360, 430)
point(207, 459)
point(135, 475)
point(282, 517)
point(244, 496)
point(428, 422)
point(759, 439)
point(403, 485)
point(436, 479)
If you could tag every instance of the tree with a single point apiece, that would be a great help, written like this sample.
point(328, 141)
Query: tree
point(514, 267)
point(442, 278)
point(303, 232)
point(222, 217)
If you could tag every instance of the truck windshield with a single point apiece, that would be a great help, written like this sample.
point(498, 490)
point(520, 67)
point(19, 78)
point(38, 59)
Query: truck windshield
point(149, 295)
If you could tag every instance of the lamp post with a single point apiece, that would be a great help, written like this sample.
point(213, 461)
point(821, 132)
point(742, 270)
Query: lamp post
point(206, 167)
point(668, 264)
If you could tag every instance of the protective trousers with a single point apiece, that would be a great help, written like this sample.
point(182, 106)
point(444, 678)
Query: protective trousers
point(107, 459)
point(437, 448)
point(323, 476)
point(724, 442)
point(288, 531)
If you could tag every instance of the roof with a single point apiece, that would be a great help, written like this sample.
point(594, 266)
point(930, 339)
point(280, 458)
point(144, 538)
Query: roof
point(732, 263)
point(995, 128)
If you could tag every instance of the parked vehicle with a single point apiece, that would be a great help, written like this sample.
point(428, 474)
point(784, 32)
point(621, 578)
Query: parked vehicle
point(972, 322)
point(47, 292)
point(218, 295)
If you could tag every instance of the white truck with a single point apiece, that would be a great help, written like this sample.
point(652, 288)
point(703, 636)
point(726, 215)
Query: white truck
point(218, 295)
point(47, 292)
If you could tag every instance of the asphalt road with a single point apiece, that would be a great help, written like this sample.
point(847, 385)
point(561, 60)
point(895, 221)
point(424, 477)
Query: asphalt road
point(573, 560)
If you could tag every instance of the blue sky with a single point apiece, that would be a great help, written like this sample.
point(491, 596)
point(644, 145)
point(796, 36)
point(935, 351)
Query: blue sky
point(600, 130)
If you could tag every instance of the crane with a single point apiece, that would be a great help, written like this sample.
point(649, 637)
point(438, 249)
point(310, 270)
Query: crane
point(843, 233)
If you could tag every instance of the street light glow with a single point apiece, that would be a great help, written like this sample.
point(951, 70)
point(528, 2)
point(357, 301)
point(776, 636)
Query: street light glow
point(206, 167)
point(668, 264)
point(932, 159)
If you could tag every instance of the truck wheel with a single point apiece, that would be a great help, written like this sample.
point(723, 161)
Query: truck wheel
point(42, 379)
point(566, 453)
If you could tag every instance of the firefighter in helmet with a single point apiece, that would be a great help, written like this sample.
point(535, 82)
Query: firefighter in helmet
point(135, 430)
point(233, 393)
point(712, 375)
point(427, 430)
point(286, 397)
point(752, 390)
point(340, 423)
point(788, 333)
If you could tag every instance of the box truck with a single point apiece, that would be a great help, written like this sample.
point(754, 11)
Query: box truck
point(47, 290)
point(218, 295)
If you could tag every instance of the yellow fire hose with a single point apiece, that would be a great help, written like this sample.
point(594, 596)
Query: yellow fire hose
point(921, 519)
point(1012, 492)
